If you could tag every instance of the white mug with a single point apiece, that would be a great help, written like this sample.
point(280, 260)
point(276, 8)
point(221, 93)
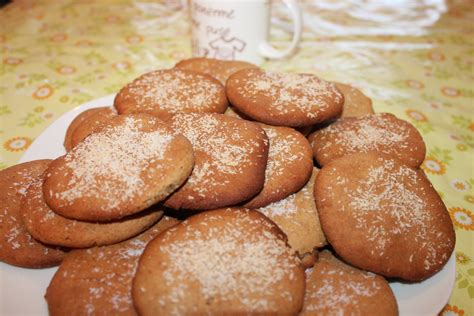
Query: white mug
point(238, 29)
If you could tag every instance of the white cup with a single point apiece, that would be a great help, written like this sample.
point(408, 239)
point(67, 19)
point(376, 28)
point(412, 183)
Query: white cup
point(238, 29)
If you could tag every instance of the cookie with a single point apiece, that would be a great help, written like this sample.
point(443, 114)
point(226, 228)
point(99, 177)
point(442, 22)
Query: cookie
point(383, 216)
point(99, 280)
point(356, 103)
point(92, 123)
point(297, 217)
point(219, 69)
point(51, 228)
point(227, 261)
point(233, 112)
point(231, 155)
point(75, 122)
point(289, 166)
point(165, 92)
point(381, 133)
point(17, 247)
point(131, 164)
point(308, 259)
point(335, 288)
point(283, 99)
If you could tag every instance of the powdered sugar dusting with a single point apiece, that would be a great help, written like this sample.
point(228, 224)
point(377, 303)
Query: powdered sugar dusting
point(364, 134)
point(174, 90)
point(389, 203)
point(228, 261)
point(334, 288)
point(290, 205)
point(222, 149)
point(306, 93)
point(11, 237)
point(52, 228)
point(118, 154)
point(385, 191)
point(35, 195)
point(281, 152)
point(283, 207)
point(106, 272)
point(26, 179)
point(14, 187)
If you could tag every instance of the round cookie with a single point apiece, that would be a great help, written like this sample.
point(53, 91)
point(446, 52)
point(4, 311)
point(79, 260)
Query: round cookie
point(219, 69)
point(17, 247)
point(165, 92)
point(51, 228)
point(131, 164)
point(227, 261)
point(99, 280)
point(283, 98)
point(356, 103)
point(298, 218)
point(289, 166)
point(92, 123)
point(230, 154)
point(381, 133)
point(75, 122)
point(335, 288)
point(383, 216)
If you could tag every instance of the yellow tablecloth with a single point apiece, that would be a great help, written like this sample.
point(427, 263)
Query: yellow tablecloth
point(413, 58)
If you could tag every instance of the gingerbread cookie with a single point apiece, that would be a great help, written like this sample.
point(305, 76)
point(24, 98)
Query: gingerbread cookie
point(356, 103)
point(335, 288)
point(92, 123)
point(219, 69)
point(383, 216)
point(231, 155)
point(99, 280)
point(298, 218)
point(289, 166)
point(381, 133)
point(51, 228)
point(227, 261)
point(75, 122)
point(17, 247)
point(283, 98)
point(165, 92)
point(131, 164)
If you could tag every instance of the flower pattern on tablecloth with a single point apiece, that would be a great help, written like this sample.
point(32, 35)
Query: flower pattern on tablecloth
point(17, 144)
point(433, 166)
point(452, 310)
point(462, 218)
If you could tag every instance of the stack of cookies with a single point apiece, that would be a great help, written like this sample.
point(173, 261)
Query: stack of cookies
point(212, 187)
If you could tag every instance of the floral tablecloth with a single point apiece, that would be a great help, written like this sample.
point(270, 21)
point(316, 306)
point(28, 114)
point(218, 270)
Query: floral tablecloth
point(413, 58)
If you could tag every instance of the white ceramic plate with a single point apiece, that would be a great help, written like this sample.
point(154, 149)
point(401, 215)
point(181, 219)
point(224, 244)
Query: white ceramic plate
point(22, 290)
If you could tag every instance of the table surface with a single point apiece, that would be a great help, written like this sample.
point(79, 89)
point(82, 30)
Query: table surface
point(413, 58)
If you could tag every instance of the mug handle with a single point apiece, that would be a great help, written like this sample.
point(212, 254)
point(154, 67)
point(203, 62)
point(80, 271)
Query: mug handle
point(269, 51)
